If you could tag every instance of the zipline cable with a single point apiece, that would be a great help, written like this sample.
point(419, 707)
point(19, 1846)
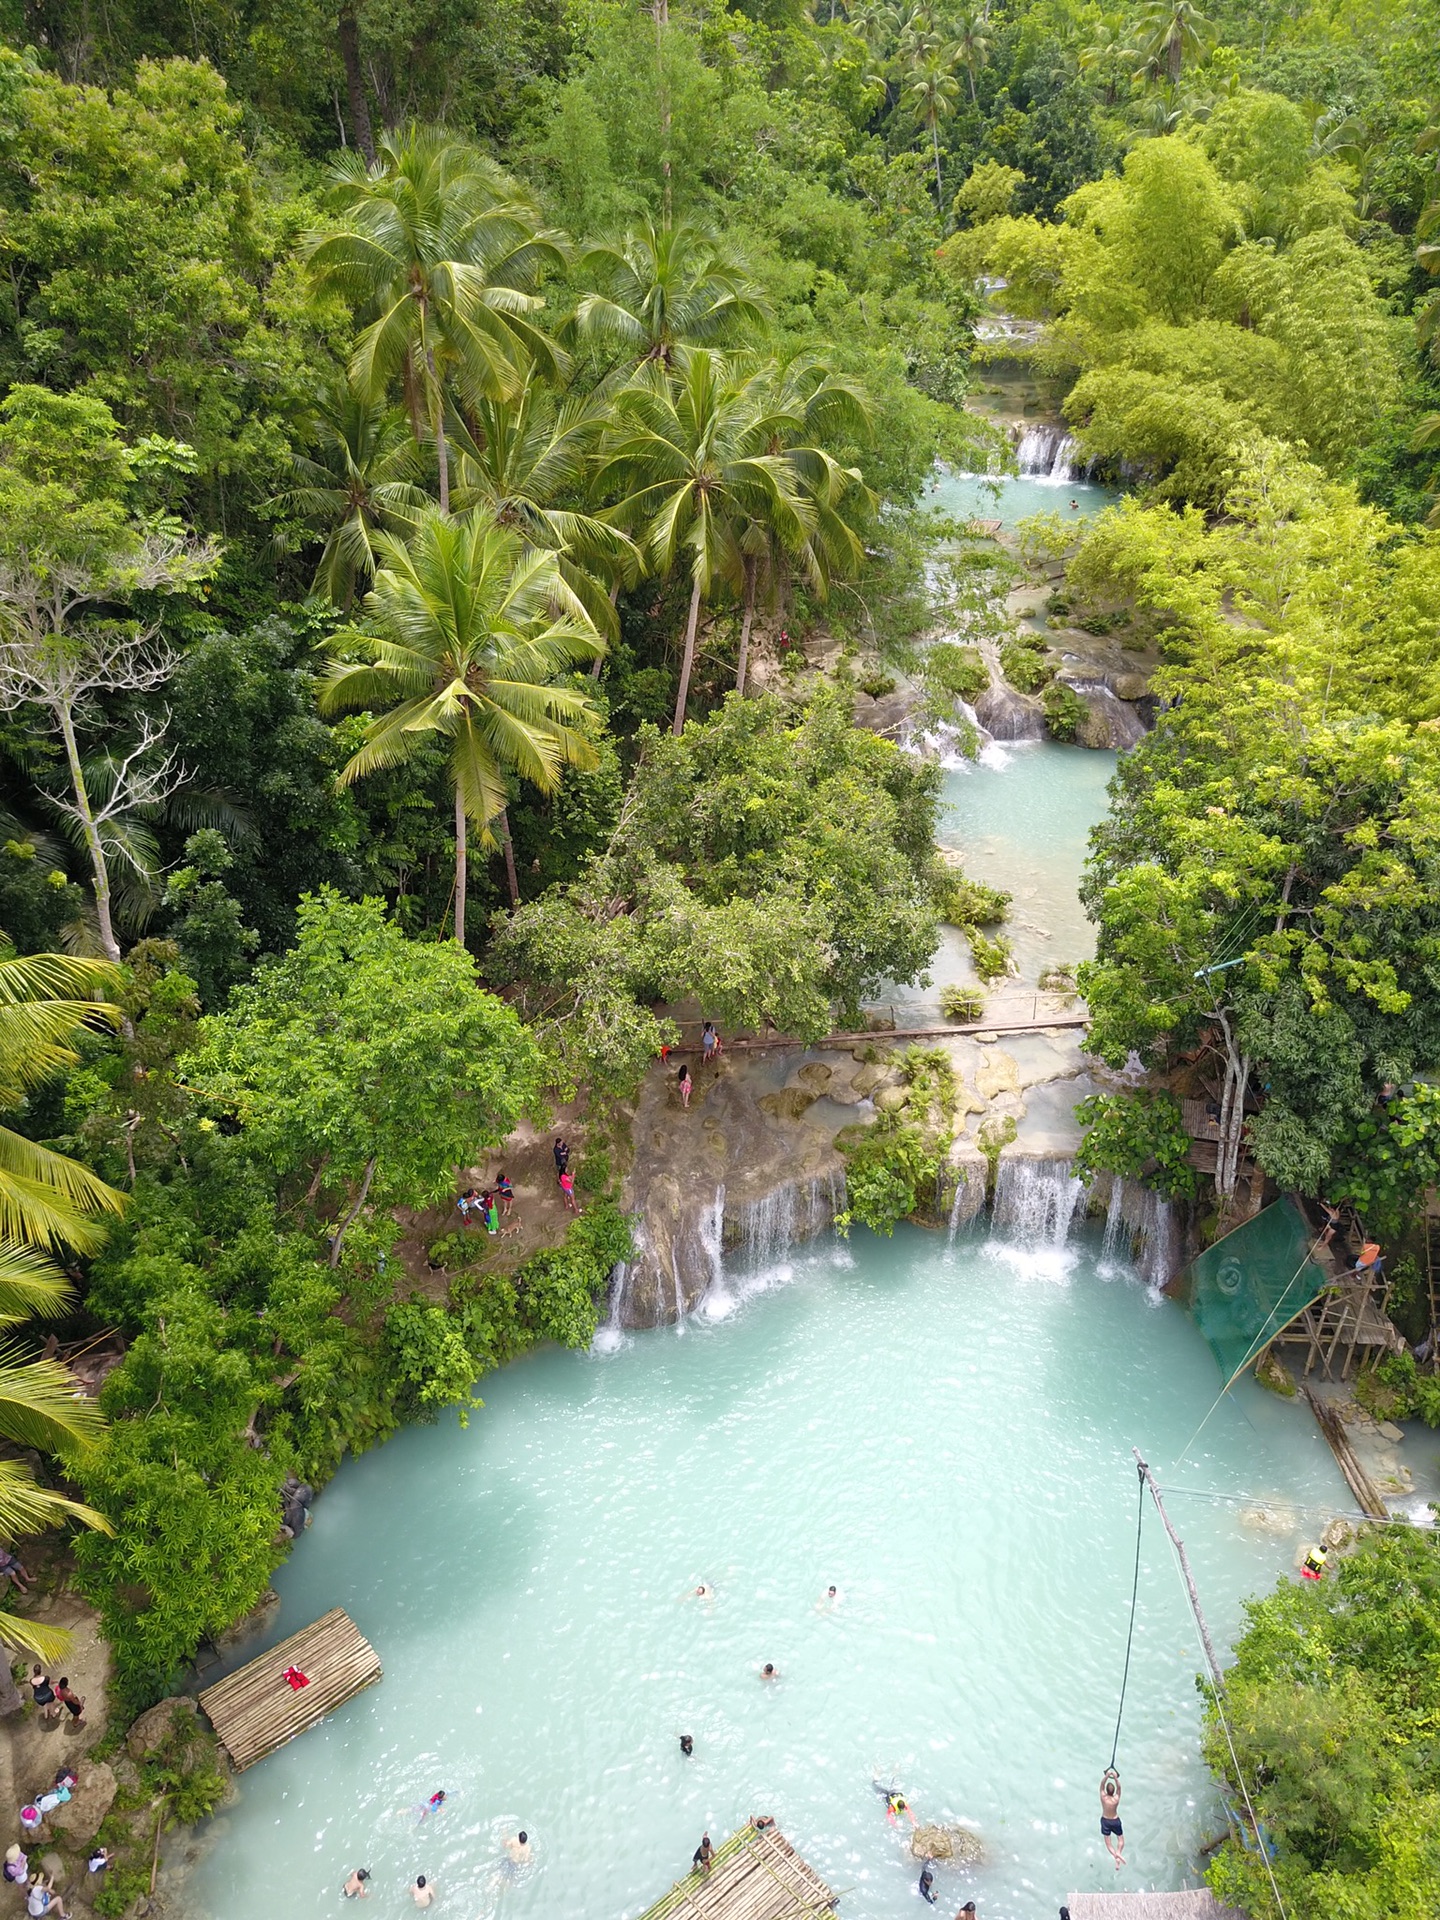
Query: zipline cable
point(1130, 1636)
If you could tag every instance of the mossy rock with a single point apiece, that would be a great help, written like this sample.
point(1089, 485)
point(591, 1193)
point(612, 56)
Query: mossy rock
point(1271, 1372)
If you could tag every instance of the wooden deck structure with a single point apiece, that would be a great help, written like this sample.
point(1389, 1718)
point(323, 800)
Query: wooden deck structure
point(753, 1876)
point(1191, 1903)
point(255, 1710)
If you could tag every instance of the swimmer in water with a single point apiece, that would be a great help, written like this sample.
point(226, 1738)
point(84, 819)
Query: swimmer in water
point(432, 1805)
point(927, 1883)
point(355, 1888)
point(1074, 506)
point(769, 1671)
point(829, 1597)
point(519, 1848)
point(423, 1891)
point(687, 1744)
point(895, 1805)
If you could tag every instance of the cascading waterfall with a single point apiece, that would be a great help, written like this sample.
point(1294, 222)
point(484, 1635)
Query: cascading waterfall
point(1036, 1202)
point(1140, 1230)
point(611, 1336)
point(715, 1302)
point(967, 1202)
point(1047, 453)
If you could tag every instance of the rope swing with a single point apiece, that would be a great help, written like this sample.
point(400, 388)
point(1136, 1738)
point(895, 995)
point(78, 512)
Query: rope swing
point(1130, 1636)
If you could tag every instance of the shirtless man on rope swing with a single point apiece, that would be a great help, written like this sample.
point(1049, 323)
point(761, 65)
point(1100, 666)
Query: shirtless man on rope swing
point(1111, 1831)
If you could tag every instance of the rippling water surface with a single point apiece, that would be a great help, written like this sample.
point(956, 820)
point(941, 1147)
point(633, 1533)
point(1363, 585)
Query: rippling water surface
point(945, 1434)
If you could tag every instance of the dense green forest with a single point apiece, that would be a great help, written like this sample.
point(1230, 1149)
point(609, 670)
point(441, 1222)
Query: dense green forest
point(429, 435)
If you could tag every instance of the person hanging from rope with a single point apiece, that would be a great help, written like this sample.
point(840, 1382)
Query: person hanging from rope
point(1111, 1831)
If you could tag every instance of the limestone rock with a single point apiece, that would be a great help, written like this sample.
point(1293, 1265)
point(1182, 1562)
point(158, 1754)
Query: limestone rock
point(78, 1818)
point(998, 1073)
point(961, 1846)
point(815, 1075)
point(153, 1726)
point(870, 1079)
point(788, 1104)
point(1391, 1432)
point(892, 1099)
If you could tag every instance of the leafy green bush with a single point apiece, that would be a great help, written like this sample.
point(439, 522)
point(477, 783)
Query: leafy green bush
point(120, 1888)
point(1332, 1702)
point(427, 1361)
point(962, 1003)
point(1396, 1389)
point(1025, 663)
point(461, 1247)
point(595, 1172)
point(877, 685)
point(1386, 1160)
point(968, 903)
point(886, 1172)
point(956, 670)
point(561, 1288)
point(991, 957)
point(1065, 712)
point(1138, 1135)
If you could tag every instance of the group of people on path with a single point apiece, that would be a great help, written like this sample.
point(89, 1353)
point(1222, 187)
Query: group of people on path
point(711, 1049)
point(490, 1206)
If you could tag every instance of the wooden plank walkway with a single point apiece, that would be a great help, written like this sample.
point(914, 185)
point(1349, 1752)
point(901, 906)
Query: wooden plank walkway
point(255, 1709)
point(754, 1876)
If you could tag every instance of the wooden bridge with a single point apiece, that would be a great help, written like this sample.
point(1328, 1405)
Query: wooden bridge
point(755, 1875)
point(1191, 1903)
point(255, 1709)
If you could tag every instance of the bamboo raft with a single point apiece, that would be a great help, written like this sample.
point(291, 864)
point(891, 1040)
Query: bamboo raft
point(753, 1876)
point(1191, 1903)
point(255, 1710)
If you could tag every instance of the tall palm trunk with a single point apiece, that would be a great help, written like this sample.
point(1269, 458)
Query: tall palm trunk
point(508, 847)
point(939, 187)
point(442, 450)
point(461, 866)
point(94, 846)
point(745, 625)
point(689, 660)
point(348, 34)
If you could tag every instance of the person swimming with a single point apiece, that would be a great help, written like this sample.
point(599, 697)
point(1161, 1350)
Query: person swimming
point(895, 1805)
point(769, 1671)
point(687, 1744)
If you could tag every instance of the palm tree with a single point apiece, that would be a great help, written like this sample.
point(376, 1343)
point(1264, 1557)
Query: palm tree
point(517, 460)
point(1169, 29)
point(40, 1408)
point(467, 628)
point(1108, 54)
point(808, 404)
point(692, 458)
point(664, 288)
point(930, 94)
point(972, 47)
point(444, 251)
point(45, 1000)
point(361, 472)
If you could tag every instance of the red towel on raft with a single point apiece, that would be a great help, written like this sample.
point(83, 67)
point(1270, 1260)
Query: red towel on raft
point(296, 1678)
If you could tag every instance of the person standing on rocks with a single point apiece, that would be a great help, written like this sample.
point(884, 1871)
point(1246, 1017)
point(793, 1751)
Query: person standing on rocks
point(561, 1152)
point(682, 1080)
point(710, 1044)
point(74, 1702)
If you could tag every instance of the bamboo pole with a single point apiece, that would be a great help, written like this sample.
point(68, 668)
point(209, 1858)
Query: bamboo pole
point(1179, 1546)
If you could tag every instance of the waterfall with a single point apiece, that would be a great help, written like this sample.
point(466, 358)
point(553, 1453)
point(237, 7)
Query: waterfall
point(1035, 1203)
point(767, 1227)
point(610, 1337)
point(716, 1300)
point(1047, 453)
point(1140, 1228)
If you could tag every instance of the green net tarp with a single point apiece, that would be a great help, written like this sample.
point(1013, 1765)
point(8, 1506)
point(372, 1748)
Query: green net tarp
point(1252, 1283)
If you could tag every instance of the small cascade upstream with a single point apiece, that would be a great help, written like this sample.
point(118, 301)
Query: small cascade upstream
point(1047, 453)
point(610, 1337)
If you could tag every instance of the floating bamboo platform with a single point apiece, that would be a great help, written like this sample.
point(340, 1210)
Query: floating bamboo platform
point(753, 1876)
point(255, 1709)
